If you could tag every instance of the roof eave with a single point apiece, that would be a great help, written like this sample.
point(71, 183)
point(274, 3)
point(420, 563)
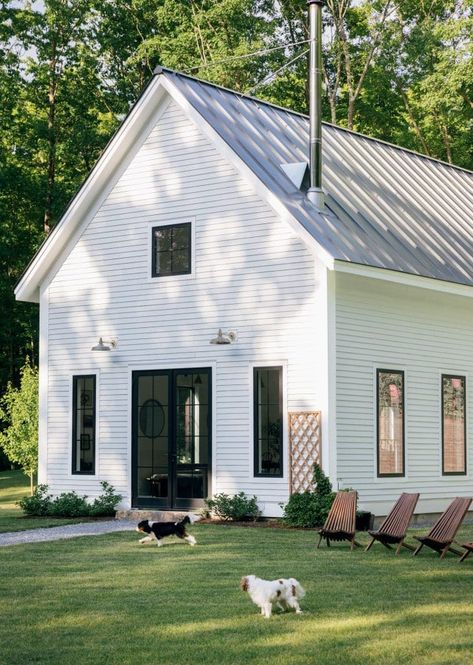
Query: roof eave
point(404, 278)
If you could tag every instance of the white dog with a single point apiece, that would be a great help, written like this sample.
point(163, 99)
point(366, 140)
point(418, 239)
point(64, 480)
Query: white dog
point(282, 593)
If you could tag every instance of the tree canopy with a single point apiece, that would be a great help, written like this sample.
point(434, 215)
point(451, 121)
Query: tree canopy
point(70, 69)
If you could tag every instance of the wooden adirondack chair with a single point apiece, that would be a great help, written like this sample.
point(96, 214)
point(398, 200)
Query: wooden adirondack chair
point(393, 530)
point(442, 534)
point(469, 549)
point(340, 522)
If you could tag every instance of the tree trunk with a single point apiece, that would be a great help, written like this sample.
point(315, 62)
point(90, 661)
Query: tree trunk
point(351, 112)
point(413, 122)
point(446, 141)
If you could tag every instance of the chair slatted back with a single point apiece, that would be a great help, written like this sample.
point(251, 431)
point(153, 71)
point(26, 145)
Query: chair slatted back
point(449, 522)
point(397, 522)
point(342, 514)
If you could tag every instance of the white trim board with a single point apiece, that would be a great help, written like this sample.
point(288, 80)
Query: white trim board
point(405, 279)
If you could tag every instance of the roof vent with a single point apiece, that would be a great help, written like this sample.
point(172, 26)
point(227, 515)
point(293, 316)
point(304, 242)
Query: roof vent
point(298, 174)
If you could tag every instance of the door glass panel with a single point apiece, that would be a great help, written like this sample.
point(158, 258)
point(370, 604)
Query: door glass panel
point(192, 434)
point(152, 429)
point(191, 483)
point(144, 486)
point(145, 452)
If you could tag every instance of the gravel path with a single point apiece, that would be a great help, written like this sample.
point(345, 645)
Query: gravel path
point(67, 531)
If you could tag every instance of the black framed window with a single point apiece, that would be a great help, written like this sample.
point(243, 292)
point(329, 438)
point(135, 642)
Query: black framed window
point(390, 422)
point(83, 424)
point(171, 246)
point(453, 425)
point(268, 418)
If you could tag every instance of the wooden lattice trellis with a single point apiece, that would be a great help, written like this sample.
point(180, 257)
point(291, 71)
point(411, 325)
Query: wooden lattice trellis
point(305, 448)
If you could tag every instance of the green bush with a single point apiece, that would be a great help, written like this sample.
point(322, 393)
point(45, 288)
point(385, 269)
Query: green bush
point(302, 510)
point(238, 508)
point(70, 504)
point(38, 504)
point(106, 503)
point(310, 509)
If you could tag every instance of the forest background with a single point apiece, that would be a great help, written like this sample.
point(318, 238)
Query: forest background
point(398, 70)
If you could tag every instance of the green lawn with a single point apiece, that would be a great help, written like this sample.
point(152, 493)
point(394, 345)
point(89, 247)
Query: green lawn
point(106, 600)
point(13, 486)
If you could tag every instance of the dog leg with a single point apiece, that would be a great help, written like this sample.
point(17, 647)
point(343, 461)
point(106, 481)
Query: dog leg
point(191, 540)
point(292, 602)
point(158, 542)
point(146, 539)
point(267, 607)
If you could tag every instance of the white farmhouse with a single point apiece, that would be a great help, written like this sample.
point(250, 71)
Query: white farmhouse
point(346, 330)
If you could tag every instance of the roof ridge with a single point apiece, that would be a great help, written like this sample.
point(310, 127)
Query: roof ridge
point(241, 95)
point(257, 100)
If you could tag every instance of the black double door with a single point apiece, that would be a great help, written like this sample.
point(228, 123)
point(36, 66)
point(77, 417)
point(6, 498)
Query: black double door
point(171, 438)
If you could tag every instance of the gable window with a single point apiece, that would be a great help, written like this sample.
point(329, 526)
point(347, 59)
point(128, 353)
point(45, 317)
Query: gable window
point(171, 250)
point(390, 422)
point(83, 424)
point(453, 425)
point(268, 417)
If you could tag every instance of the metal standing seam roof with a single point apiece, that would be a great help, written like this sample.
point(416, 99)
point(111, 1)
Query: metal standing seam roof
point(387, 207)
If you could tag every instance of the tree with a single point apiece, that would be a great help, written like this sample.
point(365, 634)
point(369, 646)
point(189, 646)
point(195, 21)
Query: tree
point(19, 410)
point(71, 69)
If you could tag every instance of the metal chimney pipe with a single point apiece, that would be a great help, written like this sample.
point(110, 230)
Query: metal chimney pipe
point(315, 193)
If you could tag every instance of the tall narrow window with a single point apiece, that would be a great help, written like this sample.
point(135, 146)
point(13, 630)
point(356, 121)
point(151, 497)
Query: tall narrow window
point(171, 250)
point(83, 424)
point(453, 425)
point(390, 391)
point(268, 417)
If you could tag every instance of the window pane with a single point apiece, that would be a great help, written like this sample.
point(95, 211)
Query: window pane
point(180, 261)
point(453, 401)
point(180, 237)
point(390, 422)
point(164, 263)
point(268, 421)
point(83, 425)
point(171, 250)
point(162, 238)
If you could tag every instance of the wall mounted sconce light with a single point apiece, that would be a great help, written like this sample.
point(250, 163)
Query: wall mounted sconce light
point(224, 338)
point(105, 345)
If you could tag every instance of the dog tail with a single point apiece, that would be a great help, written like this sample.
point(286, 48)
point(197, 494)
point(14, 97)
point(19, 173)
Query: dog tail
point(192, 517)
point(189, 519)
point(297, 590)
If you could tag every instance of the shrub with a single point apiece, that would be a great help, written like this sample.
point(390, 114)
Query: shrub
point(302, 510)
point(38, 504)
point(310, 509)
point(106, 503)
point(69, 504)
point(238, 508)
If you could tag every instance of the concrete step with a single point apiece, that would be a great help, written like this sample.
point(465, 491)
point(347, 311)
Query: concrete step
point(155, 515)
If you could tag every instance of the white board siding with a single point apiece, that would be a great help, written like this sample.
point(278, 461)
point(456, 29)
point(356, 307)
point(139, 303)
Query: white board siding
point(388, 326)
point(252, 274)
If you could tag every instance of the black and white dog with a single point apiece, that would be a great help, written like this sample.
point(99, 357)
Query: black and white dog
point(159, 530)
